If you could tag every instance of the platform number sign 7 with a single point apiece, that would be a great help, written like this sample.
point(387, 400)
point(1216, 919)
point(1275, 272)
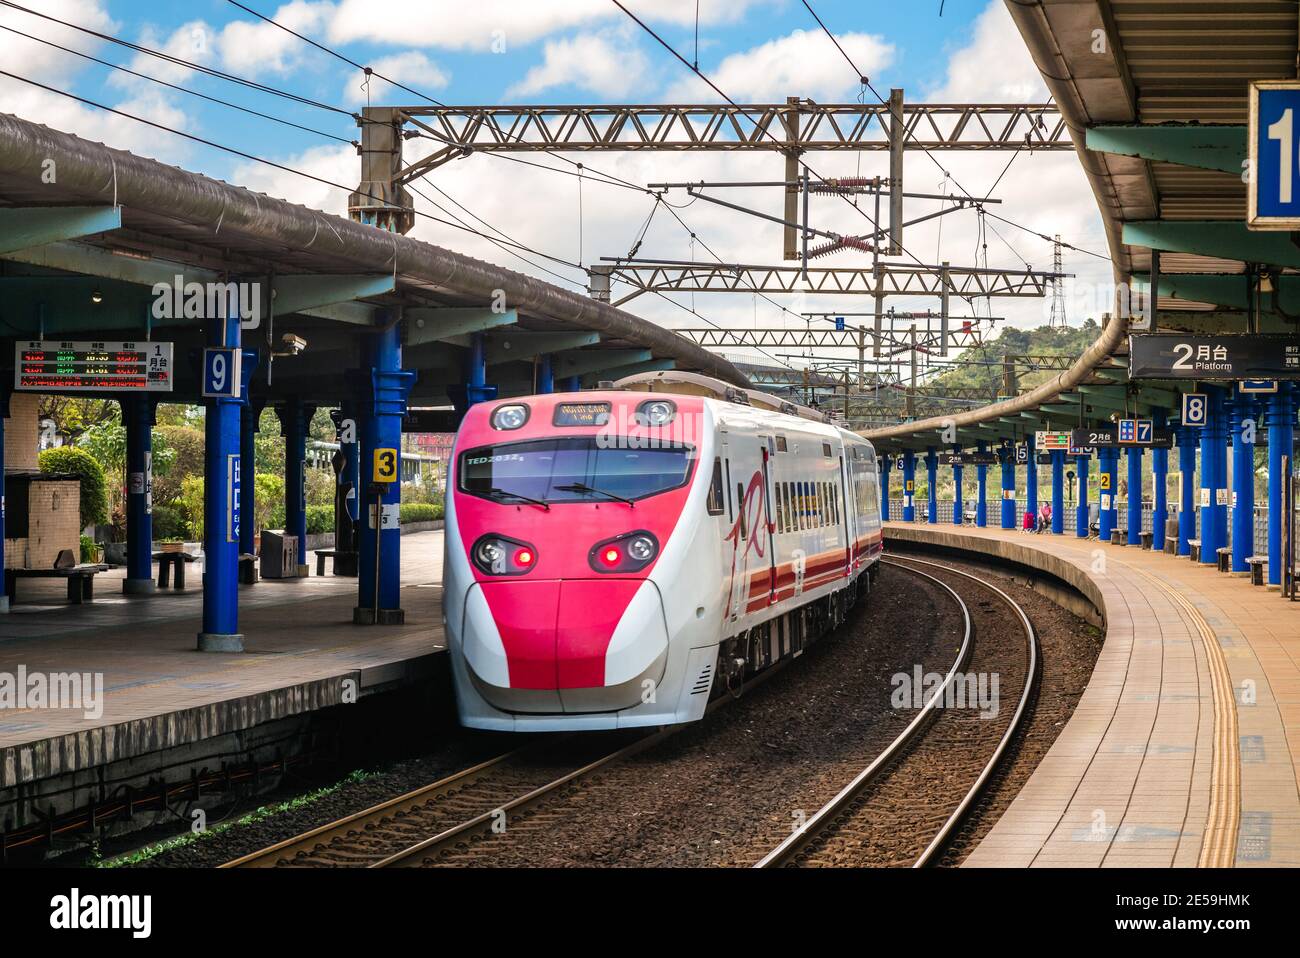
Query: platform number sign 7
point(385, 465)
point(1146, 431)
point(221, 373)
point(1195, 408)
point(1273, 189)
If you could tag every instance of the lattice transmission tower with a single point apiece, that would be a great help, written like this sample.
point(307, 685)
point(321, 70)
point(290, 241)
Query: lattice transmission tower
point(1057, 319)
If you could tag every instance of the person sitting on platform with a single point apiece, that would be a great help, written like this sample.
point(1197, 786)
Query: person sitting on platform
point(1028, 525)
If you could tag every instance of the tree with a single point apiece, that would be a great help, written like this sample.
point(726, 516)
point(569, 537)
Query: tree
point(70, 460)
point(106, 442)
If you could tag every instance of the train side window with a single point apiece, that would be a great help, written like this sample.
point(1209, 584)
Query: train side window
point(740, 507)
point(826, 449)
point(780, 510)
point(789, 507)
point(780, 443)
point(715, 505)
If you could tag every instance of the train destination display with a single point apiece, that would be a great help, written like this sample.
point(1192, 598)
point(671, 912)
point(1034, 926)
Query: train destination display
point(47, 366)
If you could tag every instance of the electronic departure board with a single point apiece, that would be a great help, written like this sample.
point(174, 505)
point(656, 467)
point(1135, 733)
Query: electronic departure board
point(93, 367)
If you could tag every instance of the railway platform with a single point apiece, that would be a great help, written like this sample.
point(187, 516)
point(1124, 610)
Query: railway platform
point(1185, 748)
point(160, 694)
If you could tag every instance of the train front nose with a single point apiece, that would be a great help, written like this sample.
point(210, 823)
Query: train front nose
point(572, 645)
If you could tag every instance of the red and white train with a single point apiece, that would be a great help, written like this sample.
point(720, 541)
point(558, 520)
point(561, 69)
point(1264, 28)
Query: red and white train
point(616, 556)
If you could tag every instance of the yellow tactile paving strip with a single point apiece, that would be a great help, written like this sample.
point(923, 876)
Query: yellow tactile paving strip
point(1185, 748)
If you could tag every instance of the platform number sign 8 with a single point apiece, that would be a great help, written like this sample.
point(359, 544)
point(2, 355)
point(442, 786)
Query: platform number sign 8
point(1274, 193)
point(1194, 409)
point(221, 373)
point(385, 465)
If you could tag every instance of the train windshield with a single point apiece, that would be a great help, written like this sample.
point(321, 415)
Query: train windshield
point(572, 470)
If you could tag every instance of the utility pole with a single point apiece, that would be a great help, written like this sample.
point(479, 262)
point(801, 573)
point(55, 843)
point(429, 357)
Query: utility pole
point(379, 200)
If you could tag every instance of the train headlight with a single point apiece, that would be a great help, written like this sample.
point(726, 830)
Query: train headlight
point(630, 552)
point(500, 555)
point(656, 412)
point(509, 417)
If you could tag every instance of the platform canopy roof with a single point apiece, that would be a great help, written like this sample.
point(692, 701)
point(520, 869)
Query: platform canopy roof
point(1155, 95)
point(86, 231)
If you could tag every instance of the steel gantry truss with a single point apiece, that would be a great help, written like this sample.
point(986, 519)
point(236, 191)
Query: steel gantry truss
point(798, 124)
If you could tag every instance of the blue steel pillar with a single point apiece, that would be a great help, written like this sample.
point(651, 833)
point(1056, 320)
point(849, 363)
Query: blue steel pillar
point(295, 416)
point(885, 463)
point(1082, 511)
point(932, 483)
point(1281, 421)
point(1135, 496)
point(350, 445)
point(383, 404)
point(4, 414)
point(1058, 492)
point(1031, 478)
point(957, 505)
point(221, 508)
point(1008, 487)
point(1159, 485)
point(1188, 439)
point(909, 486)
point(1214, 474)
point(545, 376)
point(1108, 461)
point(1243, 481)
point(573, 384)
point(982, 489)
point(137, 416)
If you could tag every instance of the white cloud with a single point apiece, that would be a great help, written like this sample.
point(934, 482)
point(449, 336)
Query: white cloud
point(805, 64)
point(253, 47)
point(603, 63)
point(995, 67)
point(412, 69)
point(499, 25)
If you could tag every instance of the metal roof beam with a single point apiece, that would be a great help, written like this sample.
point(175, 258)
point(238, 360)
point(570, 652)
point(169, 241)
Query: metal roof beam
point(106, 264)
point(297, 294)
point(524, 346)
point(1205, 147)
point(429, 325)
point(29, 226)
point(1222, 240)
point(584, 361)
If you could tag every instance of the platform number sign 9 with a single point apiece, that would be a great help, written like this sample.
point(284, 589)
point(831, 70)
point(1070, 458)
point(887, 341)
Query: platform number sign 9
point(1273, 189)
point(385, 465)
point(221, 373)
point(1195, 408)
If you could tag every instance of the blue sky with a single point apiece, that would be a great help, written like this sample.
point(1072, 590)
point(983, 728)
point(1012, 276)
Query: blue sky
point(562, 51)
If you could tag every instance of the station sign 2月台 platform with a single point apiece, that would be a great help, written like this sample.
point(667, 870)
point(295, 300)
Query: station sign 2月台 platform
point(113, 367)
point(1236, 357)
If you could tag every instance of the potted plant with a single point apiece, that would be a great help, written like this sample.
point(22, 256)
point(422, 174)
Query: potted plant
point(172, 545)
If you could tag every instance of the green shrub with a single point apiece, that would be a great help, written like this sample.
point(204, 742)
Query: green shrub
point(69, 460)
point(87, 549)
point(420, 512)
point(320, 520)
point(191, 503)
point(168, 523)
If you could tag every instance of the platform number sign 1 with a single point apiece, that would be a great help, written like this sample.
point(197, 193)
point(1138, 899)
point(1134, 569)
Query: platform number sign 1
point(1273, 190)
point(1195, 409)
point(221, 372)
point(385, 465)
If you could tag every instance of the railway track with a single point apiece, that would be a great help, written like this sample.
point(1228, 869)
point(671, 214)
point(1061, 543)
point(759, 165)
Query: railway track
point(457, 812)
point(897, 773)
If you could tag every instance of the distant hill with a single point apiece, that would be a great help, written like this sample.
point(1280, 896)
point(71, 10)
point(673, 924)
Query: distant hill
point(982, 366)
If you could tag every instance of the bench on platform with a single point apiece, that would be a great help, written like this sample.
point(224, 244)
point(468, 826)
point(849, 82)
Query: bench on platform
point(1119, 536)
point(247, 568)
point(81, 580)
point(345, 561)
point(1194, 552)
point(1256, 564)
point(167, 561)
point(1223, 558)
point(1147, 539)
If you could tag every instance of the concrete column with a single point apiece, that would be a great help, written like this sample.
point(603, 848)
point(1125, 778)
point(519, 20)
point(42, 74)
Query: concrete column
point(981, 482)
point(383, 403)
point(885, 465)
point(1135, 496)
point(1244, 413)
point(222, 486)
point(932, 481)
point(1281, 421)
point(909, 486)
point(1159, 484)
point(295, 415)
point(1058, 492)
point(4, 414)
point(958, 506)
point(1188, 440)
point(1106, 462)
point(1082, 510)
point(1214, 472)
point(1009, 488)
point(137, 416)
point(545, 376)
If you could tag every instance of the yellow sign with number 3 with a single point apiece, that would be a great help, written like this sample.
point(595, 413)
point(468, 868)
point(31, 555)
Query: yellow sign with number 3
point(385, 465)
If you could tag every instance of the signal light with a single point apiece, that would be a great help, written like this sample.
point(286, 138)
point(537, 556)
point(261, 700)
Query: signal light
point(523, 557)
point(500, 555)
point(611, 556)
point(630, 552)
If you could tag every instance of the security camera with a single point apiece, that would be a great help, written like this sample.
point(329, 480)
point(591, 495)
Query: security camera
point(293, 345)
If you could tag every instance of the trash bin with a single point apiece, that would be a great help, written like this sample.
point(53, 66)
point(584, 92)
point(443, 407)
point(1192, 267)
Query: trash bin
point(279, 555)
